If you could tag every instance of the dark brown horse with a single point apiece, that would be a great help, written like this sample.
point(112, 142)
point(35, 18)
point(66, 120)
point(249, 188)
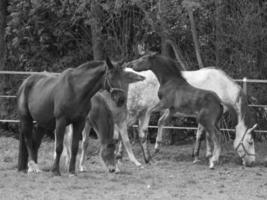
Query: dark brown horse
point(55, 101)
point(103, 117)
point(179, 97)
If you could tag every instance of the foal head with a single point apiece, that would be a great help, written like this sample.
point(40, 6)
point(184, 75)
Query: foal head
point(117, 80)
point(108, 157)
point(143, 63)
point(162, 66)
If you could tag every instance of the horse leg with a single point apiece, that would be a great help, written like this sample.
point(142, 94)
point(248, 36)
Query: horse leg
point(117, 138)
point(200, 131)
point(215, 133)
point(162, 120)
point(59, 136)
point(125, 139)
point(143, 134)
point(37, 139)
point(85, 142)
point(26, 127)
point(77, 131)
point(119, 153)
point(67, 145)
point(208, 146)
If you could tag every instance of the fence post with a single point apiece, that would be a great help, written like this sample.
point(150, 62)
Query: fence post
point(245, 85)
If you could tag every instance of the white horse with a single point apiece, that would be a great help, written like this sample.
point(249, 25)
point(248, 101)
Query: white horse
point(142, 97)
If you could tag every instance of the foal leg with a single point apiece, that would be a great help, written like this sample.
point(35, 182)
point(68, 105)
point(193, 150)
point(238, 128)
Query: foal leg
point(208, 146)
point(77, 131)
point(67, 145)
point(125, 139)
point(117, 138)
point(162, 120)
point(215, 133)
point(143, 135)
point(200, 131)
point(59, 136)
point(85, 142)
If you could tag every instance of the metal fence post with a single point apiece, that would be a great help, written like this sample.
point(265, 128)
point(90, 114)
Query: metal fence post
point(245, 85)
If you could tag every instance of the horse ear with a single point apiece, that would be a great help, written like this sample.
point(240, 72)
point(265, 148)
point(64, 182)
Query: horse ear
point(132, 77)
point(119, 64)
point(109, 63)
point(152, 54)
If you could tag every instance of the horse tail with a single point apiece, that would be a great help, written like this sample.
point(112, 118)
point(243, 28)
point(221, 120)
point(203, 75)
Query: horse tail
point(24, 114)
point(219, 116)
point(23, 154)
point(22, 95)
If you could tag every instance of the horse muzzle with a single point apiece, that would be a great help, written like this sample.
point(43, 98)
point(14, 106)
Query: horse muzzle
point(248, 163)
point(118, 96)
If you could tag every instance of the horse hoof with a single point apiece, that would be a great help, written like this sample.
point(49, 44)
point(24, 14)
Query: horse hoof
point(196, 161)
point(117, 170)
point(118, 156)
point(138, 164)
point(212, 166)
point(82, 169)
point(72, 174)
point(33, 167)
point(156, 151)
point(208, 155)
point(56, 173)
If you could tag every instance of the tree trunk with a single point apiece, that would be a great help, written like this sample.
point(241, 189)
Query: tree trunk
point(97, 40)
point(260, 59)
point(3, 79)
point(3, 14)
point(194, 33)
point(217, 34)
point(168, 47)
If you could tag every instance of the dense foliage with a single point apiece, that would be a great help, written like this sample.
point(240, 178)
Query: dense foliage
point(55, 34)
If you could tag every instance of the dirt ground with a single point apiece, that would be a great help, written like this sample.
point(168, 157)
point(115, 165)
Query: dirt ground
point(171, 176)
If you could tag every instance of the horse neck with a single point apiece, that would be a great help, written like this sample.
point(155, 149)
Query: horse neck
point(88, 82)
point(163, 75)
point(243, 109)
point(166, 70)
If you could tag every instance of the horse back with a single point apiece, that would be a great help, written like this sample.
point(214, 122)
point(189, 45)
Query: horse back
point(33, 98)
point(24, 91)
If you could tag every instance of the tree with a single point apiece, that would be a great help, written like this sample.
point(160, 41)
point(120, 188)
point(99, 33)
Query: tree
point(190, 5)
point(97, 40)
point(3, 15)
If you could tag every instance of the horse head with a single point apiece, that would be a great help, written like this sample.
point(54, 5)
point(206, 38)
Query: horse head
point(244, 143)
point(108, 156)
point(118, 79)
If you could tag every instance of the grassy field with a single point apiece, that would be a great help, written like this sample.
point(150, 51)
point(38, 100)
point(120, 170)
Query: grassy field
point(171, 176)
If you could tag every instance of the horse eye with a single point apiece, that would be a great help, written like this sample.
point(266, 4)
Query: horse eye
point(250, 142)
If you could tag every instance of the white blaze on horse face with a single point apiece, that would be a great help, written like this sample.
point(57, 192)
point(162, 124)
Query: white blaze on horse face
point(247, 150)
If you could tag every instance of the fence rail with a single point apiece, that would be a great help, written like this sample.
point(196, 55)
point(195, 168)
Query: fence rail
point(244, 81)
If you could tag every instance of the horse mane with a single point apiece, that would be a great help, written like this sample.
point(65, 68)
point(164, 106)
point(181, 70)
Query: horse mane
point(246, 112)
point(90, 64)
